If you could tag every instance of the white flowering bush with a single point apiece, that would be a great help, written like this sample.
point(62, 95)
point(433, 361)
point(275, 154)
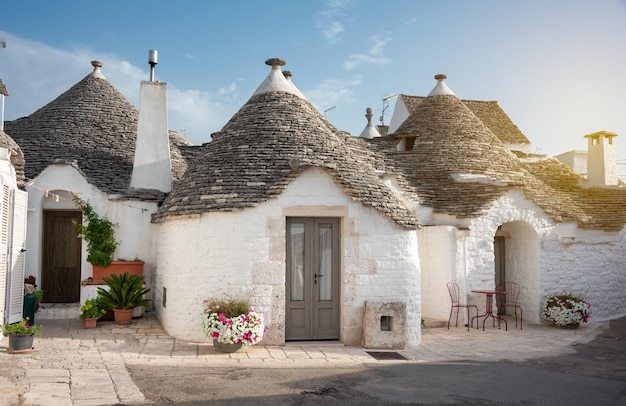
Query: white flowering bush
point(245, 329)
point(230, 320)
point(566, 309)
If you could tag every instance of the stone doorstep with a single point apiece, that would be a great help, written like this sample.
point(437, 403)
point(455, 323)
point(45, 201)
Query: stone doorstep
point(432, 323)
point(58, 311)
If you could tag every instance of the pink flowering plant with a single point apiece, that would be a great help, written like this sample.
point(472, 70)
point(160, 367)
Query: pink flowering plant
point(21, 328)
point(231, 320)
point(566, 309)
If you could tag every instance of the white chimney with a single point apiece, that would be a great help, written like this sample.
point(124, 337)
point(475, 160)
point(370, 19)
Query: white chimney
point(152, 168)
point(601, 161)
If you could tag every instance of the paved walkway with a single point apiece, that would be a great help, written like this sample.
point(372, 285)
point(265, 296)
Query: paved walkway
point(72, 365)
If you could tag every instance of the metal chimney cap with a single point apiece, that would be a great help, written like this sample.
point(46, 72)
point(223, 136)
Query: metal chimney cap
point(153, 56)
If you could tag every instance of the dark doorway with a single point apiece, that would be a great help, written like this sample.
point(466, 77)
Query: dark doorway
point(60, 274)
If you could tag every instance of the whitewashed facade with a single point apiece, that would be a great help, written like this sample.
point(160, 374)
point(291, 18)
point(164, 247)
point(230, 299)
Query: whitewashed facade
point(200, 256)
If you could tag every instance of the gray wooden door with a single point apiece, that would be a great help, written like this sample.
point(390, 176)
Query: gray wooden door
point(60, 276)
point(312, 294)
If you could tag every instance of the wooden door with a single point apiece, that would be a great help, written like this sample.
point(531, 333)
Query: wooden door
point(312, 292)
point(60, 276)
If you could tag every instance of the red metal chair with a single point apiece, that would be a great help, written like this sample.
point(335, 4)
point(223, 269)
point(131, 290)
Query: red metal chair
point(453, 290)
point(512, 290)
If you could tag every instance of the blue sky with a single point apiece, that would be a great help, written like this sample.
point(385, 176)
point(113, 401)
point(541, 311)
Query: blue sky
point(557, 67)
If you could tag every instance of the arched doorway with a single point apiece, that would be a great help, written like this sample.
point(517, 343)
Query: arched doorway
point(516, 259)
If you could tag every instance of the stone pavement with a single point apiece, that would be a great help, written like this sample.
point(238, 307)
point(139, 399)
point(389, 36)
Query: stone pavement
point(71, 365)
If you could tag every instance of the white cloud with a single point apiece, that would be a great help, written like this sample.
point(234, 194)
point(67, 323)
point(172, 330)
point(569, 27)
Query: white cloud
point(329, 19)
point(333, 92)
point(373, 56)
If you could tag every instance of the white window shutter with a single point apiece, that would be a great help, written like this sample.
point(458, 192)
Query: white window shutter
point(17, 255)
point(4, 246)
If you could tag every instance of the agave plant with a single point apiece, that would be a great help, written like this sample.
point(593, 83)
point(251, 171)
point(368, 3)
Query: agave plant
point(125, 292)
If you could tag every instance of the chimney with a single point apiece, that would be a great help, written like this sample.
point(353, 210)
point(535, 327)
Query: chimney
point(152, 167)
point(601, 161)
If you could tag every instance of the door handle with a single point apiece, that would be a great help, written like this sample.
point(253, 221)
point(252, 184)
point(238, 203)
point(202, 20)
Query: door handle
point(316, 276)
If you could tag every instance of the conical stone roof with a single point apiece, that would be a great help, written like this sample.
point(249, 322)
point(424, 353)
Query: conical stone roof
point(91, 126)
point(275, 136)
point(458, 166)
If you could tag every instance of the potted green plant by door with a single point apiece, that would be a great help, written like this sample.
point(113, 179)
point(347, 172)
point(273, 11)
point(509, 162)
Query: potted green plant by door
point(99, 232)
point(91, 311)
point(21, 336)
point(124, 293)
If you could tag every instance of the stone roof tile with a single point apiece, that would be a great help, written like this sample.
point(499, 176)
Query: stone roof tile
point(458, 166)
point(93, 125)
point(273, 138)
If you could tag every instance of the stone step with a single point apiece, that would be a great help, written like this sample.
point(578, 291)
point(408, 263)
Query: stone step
point(57, 311)
point(432, 323)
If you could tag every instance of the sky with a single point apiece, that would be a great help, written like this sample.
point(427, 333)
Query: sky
point(556, 67)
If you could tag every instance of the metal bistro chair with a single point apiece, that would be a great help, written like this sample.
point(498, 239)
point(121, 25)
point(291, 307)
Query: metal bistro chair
point(512, 290)
point(453, 290)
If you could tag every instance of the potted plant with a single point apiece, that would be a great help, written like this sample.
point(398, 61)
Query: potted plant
point(38, 299)
point(91, 311)
point(566, 310)
point(124, 293)
point(21, 335)
point(99, 232)
point(232, 324)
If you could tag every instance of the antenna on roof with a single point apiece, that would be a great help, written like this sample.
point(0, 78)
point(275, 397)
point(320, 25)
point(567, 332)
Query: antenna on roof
point(152, 60)
point(329, 109)
point(385, 106)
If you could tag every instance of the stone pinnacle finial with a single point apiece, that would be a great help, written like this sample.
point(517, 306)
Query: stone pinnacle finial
point(275, 63)
point(369, 115)
point(441, 88)
point(96, 69)
point(287, 74)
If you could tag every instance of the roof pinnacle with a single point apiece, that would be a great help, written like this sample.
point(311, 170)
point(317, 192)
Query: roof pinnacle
point(441, 88)
point(96, 69)
point(275, 63)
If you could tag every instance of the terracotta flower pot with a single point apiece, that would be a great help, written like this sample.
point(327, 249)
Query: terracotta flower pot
point(117, 268)
point(91, 323)
point(123, 316)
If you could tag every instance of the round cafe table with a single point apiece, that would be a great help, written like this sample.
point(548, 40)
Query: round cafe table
point(489, 308)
